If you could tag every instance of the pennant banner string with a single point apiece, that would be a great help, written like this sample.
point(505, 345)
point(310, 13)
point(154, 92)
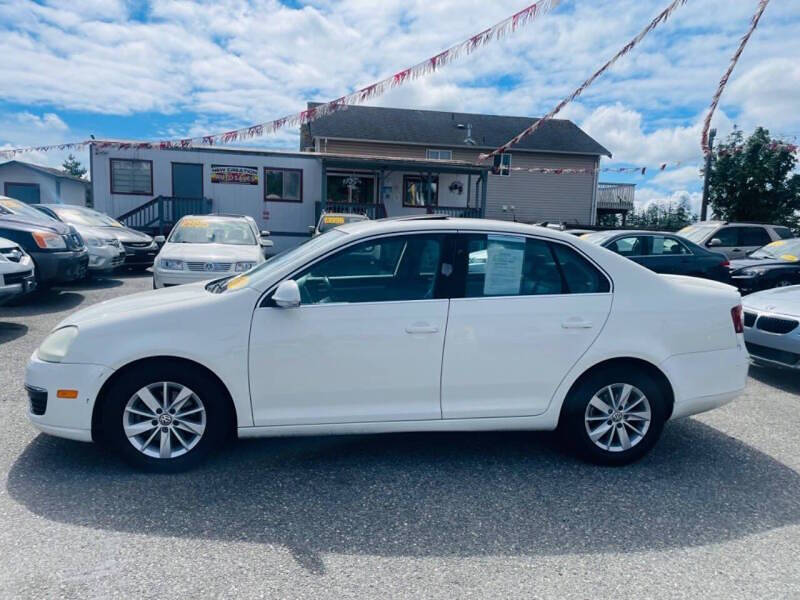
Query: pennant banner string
point(661, 18)
point(499, 31)
point(723, 82)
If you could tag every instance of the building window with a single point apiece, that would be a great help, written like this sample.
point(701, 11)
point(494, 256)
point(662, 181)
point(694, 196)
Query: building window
point(416, 192)
point(283, 185)
point(439, 154)
point(353, 188)
point(502, 164)
point(131, 176)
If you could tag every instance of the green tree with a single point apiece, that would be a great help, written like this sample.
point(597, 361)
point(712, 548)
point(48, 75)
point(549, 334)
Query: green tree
point(752, 180)
point(73, 166)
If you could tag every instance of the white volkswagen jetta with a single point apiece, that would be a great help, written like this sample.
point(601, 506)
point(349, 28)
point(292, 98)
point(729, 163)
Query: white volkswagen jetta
point(206, 247)
point(387, 326)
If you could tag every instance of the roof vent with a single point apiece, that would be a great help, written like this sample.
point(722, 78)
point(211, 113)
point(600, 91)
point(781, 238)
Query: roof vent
point(468, 140)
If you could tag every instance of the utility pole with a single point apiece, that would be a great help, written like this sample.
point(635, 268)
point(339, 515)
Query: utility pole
point(704, 206)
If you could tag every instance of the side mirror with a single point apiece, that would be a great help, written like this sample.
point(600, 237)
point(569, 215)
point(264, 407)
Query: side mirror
point(714, 242)
point(265, 233)
point(159, 239)
point(267, 243)
point(287, 295)
point(312, 229)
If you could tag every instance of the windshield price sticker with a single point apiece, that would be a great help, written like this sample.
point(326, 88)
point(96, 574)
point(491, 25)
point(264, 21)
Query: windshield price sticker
point(194, 223)
point(505, 255)
point(778, 243)
point(333, 220)
point(789, 257)
point(237, 282)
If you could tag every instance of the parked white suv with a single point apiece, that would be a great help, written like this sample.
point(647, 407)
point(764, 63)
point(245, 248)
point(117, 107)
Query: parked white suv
point(734, 240)
point(16, 271)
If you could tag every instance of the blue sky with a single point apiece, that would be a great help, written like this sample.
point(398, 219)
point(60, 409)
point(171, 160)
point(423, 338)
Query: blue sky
point(148, 70)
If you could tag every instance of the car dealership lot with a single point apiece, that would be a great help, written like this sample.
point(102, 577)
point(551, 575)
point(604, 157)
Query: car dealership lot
point(714, 510)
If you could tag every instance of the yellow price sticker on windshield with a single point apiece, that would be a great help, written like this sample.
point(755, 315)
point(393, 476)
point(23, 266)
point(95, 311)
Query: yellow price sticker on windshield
point(238, 281)
point(194, 223)
point(10, 203)
point(333, 220)
point(778, 243)
point(789, 257)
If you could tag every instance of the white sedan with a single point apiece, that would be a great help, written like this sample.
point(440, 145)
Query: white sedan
point(206, 247)
point(385, 326)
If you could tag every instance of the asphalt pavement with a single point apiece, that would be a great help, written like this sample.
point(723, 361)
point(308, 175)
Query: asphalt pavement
point(712, 512)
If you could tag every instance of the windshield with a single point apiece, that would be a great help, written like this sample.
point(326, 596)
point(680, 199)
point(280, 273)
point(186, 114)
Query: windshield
point(268, 268)
point(76, 216)
point(328, 222)
point(782, 250)
point(697, 233)
point(20, 208)
point(210, 230)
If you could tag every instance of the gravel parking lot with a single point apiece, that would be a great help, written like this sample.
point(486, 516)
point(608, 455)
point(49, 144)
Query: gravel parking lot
point(714, 511)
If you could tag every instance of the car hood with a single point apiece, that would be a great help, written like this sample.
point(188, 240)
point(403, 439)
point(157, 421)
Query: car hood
point(126, 235)
point(743, 263)
point(211, 252)
point(784, 300)
point(94, 232)
point(5, 243)
point(22, 223)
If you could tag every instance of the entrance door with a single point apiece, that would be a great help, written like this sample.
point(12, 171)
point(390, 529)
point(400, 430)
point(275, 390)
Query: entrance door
point(366, 343)
point(530, 309)
point(24, 192)
point(187, 180)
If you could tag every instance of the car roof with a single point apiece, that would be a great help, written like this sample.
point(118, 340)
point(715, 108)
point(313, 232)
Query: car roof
point(443, 222)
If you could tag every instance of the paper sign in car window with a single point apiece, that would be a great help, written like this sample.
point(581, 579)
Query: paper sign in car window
point(333, 220)
point(194, 223)
point(238, 281)
point(505, 255)
point(789, 257)
point(11, 203)
point(774, 244)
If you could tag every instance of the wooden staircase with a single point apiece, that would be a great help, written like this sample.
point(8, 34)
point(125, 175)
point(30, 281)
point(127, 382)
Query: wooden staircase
point(159, 215)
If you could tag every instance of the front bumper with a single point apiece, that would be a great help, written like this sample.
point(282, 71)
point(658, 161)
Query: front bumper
point(54, 267)
point(705, 380)
point(777, 349)
point(162, 278)
point(136, 256)
point(105, 258)
point(15, 284)
point(68, 418)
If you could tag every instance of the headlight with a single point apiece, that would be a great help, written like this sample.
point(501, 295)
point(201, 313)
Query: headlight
point(56, 345)
point(244, 266)
point(752, 272)
point(169, 264)
point(94, 242)
point(49, 240)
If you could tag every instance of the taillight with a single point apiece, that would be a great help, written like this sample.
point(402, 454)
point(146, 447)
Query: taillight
point(736, 316)
point(725, 263)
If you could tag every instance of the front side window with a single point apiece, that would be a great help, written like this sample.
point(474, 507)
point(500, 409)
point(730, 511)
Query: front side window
point(666, 246)
point(629, 246)
point(131, 176)
point(502, 164)
point(283, 185)
point(420, 191)
point(392, 269)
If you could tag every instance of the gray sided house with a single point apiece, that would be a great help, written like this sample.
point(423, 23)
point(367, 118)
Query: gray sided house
point(34, 183)
point(424, 135)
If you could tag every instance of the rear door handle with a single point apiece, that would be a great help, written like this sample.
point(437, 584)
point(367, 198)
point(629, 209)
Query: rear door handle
point(422, 328)
point(576, 324)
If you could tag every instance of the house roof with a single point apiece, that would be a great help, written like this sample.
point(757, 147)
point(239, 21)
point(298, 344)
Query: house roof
point(46, 170)
point(437, 128)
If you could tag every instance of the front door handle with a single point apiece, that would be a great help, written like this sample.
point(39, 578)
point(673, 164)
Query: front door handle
point(576, 324)
point(422, 328)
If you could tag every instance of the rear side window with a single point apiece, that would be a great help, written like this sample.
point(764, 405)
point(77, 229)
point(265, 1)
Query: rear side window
point(753, 236)
point(510, 265)
point(666, 246)
point(628, 246)
point(783, 232)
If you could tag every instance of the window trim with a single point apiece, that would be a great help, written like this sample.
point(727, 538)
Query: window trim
point(498, 170)
point(111, 176)
point(438, 151)
point(283, 170)
point(434, 197)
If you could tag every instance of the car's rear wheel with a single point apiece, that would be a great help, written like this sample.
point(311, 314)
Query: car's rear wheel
point(165, 418)
point(614, 416)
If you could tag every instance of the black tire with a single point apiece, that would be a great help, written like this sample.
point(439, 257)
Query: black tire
point(573, 424)
point(214, 398)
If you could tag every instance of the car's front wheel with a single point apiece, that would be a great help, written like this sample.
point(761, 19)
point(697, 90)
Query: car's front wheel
point(614, 416)
point(165, 418)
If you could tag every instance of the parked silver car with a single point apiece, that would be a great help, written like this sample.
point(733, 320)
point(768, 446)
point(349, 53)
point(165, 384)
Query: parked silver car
point(734, 240)
point(772, 326)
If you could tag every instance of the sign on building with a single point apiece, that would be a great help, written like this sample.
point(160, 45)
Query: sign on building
point(229, 174)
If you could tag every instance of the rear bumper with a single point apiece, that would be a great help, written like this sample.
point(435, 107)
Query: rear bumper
point(705, 380)
point(69, 418)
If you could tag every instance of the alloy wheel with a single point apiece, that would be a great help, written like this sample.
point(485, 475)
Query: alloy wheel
point(618, 417)
point(164, 420)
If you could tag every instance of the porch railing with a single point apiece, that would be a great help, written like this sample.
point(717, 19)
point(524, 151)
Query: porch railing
point(373, 211)
point(159, 215)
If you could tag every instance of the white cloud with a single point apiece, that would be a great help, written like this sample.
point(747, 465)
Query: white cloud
point(647, 196)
